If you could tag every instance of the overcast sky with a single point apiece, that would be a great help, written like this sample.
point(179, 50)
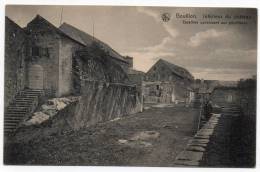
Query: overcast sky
point(223, 52)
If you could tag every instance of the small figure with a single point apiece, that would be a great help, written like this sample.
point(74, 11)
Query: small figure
point(208, 109)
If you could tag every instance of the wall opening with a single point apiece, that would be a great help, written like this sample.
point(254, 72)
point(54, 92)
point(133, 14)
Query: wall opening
point(35, 77)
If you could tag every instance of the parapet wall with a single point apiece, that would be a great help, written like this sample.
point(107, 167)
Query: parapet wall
point(102, 102)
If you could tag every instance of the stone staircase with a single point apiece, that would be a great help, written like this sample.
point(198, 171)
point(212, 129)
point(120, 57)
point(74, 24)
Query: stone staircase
point(23, 104)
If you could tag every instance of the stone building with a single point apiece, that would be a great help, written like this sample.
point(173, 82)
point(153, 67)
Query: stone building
point(49, 57)
point(167, 82)
point(135, 76)
point(45, 54)
point(218, 92)
point(15, 53)
point(225, 93)
point(43, 60)
point(84, 38)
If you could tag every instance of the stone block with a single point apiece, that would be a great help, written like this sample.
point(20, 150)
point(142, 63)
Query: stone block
point(203, 141)
point(190, 155)
point(196, 148)
point(186, 163)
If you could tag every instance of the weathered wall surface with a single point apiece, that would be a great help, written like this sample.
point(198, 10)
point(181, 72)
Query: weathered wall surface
point(124, 64)
point(55, 52)
point(44, 38)
point(102, 102)
point(165, 92)
point(168, 83)
point(222, 96)
point(67, 49)
point(160, 73)
point(164, 71)
point(247, 93)
point(15, 67)
point(93, 64)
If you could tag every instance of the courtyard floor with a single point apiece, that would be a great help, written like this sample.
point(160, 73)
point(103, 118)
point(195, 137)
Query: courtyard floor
point(151, 138)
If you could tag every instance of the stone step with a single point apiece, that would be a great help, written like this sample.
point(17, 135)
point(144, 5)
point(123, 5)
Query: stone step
point(20, 105)
point(19, 108)
point(34, 91)
point(16, 109)
point(12, 120)
point(31, 92)
point(15, 115)
point(10, 124)
point(8, 130)
point(28, 95)
point(22, 109)
point(15, 112)
point(24, 99)
point(22, 102)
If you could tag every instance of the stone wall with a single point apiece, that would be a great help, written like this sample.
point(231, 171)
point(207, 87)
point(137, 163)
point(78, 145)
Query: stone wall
point(55, 52)
point(93, 64)
point(15, 52)
point(166, 92)
point(66, 51)
point(247, 93)
point(225, 95)
point(44, 38)
point(160, 73)
point(102, 102)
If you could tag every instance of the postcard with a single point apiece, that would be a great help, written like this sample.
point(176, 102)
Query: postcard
point(130, 86)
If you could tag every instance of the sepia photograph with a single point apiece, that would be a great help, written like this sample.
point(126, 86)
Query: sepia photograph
point(142, 86)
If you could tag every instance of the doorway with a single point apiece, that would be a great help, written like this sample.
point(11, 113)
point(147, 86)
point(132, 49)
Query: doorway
point(35, 77)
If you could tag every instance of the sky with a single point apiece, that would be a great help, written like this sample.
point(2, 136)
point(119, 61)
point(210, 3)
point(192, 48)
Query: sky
point(208, 51)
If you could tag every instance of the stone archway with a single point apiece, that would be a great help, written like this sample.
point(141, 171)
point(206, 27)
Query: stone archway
point(35, 77)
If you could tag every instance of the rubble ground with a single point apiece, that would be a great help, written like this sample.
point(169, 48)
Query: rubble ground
point(151, 138)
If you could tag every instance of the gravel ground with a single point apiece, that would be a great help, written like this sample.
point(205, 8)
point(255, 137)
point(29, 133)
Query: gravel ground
point(151, 138)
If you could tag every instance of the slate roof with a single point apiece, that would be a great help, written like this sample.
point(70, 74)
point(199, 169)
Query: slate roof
point(40, 20)
point(11, 22)
point(177, 69)
point(87, 39)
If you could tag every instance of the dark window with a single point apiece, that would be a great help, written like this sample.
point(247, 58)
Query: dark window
point(157, 87)
point(35, 51)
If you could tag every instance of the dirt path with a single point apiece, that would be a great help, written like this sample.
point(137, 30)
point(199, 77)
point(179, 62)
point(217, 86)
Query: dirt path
point(151, 138)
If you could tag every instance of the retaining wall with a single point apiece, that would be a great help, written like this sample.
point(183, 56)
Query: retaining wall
point(102, 102)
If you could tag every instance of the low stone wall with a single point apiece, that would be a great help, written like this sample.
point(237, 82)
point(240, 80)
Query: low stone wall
point(248, 102)
point(102, 102)
point(197, 146)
